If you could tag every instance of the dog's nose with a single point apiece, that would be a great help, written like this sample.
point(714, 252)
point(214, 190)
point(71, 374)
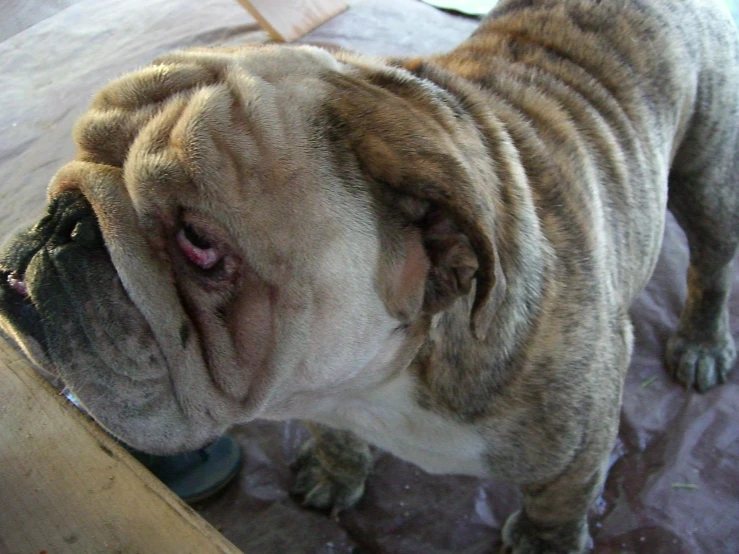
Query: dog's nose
point(70, 218)
point(87, 232)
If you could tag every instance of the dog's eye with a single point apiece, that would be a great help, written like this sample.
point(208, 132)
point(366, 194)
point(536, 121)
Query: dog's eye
point(197, 248)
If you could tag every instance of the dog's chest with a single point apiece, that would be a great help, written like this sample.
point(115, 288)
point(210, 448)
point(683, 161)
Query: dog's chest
point(389, 417)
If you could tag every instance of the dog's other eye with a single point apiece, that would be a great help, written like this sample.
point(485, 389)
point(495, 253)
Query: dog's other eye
point(197, 248)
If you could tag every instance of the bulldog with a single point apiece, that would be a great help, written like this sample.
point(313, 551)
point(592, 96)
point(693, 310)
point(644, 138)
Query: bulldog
point(433, 255)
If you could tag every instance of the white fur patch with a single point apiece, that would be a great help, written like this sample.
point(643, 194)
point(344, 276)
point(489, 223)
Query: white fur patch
point(389, 417)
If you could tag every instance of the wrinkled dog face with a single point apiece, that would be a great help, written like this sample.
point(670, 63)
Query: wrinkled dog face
point(251, 233)
point(244, 274)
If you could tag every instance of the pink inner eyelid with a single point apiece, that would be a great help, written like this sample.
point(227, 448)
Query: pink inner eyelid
point(202, 257)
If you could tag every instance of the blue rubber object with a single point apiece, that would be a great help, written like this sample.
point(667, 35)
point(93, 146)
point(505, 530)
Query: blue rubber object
point(194, 476)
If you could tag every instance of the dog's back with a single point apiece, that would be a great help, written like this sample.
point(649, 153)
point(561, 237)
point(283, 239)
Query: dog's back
point(648, 91)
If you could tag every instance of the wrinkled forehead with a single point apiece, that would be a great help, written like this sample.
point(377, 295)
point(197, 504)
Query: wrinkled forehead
point(271, 63)
point(187, 117)
point(245, 151)
point(233, 135)
point(256, 117)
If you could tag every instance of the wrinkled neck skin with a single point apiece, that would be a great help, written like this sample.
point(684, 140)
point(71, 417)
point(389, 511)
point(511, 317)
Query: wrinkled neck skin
point(457, 374)
point(442, 367)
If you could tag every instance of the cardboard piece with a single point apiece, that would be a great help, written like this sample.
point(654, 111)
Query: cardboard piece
point(287, 20)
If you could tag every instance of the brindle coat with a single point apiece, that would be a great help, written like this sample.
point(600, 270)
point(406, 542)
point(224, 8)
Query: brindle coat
point(436, 255)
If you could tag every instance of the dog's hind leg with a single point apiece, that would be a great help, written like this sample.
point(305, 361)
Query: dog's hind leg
point(704, 197)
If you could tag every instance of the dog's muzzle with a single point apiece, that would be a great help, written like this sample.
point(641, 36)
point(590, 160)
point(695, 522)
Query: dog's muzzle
point(68, 222)
point(63, 301)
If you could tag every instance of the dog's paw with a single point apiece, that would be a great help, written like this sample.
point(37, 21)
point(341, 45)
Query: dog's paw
point(700, 364)
point(520, 536)
point(328, 483)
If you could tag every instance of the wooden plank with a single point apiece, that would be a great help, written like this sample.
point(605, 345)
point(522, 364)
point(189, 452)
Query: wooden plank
point(287, 20)
point(67, 487)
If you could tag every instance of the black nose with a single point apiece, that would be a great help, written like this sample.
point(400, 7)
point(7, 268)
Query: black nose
point(69, 218)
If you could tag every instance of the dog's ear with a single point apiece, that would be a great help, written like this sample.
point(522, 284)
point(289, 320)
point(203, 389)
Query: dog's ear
point(415, 143)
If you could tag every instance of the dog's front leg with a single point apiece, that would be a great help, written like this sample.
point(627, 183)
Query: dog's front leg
point(331, 469)
point(553, 519)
